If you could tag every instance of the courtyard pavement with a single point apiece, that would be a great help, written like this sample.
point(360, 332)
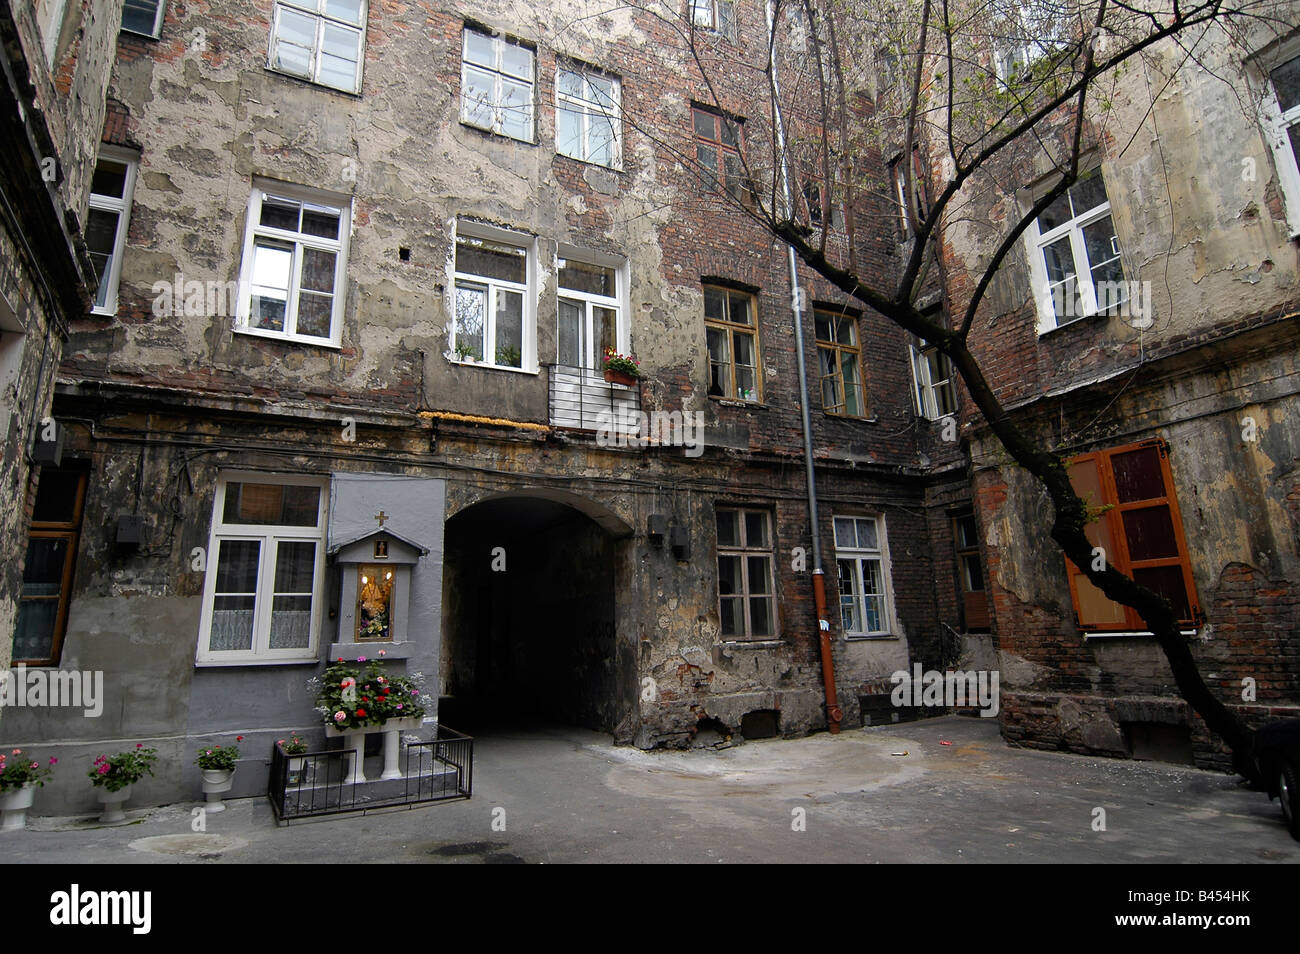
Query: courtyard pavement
point(888, 794)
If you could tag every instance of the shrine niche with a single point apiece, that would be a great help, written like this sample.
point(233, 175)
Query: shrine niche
point(375, 576)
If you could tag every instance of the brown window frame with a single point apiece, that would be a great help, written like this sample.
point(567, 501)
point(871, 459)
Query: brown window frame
point(743, 551)
point(69, 530)
point(737, 186)
point(975, 613)
point(731, 329)
point(835, 347)
point(1108, 528)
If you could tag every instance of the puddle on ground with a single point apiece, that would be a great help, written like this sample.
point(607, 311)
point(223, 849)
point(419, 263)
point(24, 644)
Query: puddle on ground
point(190, 845)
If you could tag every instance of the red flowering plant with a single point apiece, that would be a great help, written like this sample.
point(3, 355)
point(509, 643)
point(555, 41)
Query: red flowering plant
point(294, 745)
point(219, 758)
point(116, 772)
point(625, 363)
point(350, 697)
point(17, 770)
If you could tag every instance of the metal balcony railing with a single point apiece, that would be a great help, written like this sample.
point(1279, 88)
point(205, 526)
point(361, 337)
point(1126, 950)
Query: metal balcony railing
point(325, 783)
point(581, 399)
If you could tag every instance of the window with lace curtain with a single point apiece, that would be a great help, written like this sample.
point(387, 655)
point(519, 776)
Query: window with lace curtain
point(265, 570)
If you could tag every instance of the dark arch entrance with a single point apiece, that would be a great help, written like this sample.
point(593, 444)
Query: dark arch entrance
point(529, 616)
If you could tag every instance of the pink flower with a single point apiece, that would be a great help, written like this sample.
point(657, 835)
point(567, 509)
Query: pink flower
point(415, 692)
point(139, 745)
point(361, 659)
point(54, 761)
point(103, 769)
point(36, 765)
point(340, 716)
point(399, 705)
point(18, 751)
point(383, 652)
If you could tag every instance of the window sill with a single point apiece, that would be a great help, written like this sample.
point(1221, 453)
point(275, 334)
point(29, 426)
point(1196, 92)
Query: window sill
point(208, 663)
point(497, 135)
point(287, 339)
point(1128, 634)
point(617, 169)
point(851, 417)
point(137, 33)
point(751, 643)
point(869, 637)
point(104, 312)
point(1073, 322)
point(738, 402)
point(491, 367)
point(355, 94)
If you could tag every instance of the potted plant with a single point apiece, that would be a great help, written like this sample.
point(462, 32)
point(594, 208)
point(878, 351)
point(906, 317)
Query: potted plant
point(217, 765)
point(293, 747)
point(467, 355)
point(20, 776)
point(114, 775)
point(352, 698)
point(621, 368)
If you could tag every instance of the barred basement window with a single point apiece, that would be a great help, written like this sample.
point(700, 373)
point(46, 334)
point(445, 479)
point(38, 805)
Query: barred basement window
point(746, 601)
point(1141, 534)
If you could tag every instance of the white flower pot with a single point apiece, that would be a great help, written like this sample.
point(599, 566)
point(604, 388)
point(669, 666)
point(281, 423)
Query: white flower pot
point(216, 782)
point(113, 813)
point(14, 804)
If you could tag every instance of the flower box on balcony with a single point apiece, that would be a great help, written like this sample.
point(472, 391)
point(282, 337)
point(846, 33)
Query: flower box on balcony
point(620, 377)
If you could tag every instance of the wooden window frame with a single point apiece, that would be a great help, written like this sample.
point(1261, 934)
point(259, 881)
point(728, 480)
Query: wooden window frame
point(1118, 556)
point(731, 329)
point(837, 348)
point(975, 610)
point(743, 551)
point(69, 530)
point(738, 186)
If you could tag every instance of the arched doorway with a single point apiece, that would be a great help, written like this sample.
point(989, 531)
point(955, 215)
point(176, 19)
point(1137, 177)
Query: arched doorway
point(529, 615)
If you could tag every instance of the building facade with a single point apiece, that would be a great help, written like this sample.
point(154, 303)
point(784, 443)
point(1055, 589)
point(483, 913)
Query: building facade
point(374, 256)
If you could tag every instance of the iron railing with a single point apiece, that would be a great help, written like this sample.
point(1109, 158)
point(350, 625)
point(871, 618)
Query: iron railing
point(582, 399)
point(322, 783)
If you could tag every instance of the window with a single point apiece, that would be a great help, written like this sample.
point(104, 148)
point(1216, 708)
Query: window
point(497, 85)
point(143, 16)
point(821, 210)
point(319, 40)
point(717, 150)
point(1075, 257)
point(936, 391)
point(47, 571)
point(265, 575)
point(586, 117)
point(590, 314)
point(863, 576)
point(492, 302)
point(733, 344)
point(898, 176)
point(295, 253)
point(111, 189)
point(717, 16)
point(1282, 121)
point(1034, 29)
point(746, 604)
point(1141, 534)
point(838, 364)
point(970, 573)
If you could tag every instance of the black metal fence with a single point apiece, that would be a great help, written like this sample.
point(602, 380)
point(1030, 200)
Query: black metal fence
point(322, 782)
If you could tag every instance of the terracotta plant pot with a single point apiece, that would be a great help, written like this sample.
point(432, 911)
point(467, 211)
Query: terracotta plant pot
point(14, 804)
point(619, 377)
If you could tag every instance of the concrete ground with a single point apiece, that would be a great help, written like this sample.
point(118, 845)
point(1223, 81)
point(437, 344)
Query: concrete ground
point(567, 795)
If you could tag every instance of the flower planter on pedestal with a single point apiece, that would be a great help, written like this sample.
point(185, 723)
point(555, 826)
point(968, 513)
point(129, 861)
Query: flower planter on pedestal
point(113, 813)
point(358, 740)
point(14, 804)
point(619, 377)
point(216, 782)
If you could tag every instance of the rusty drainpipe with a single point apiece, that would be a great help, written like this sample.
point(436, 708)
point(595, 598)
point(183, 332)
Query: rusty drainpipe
point(834, 714)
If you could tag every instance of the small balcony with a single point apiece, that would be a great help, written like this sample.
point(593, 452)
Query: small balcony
point(581, 399)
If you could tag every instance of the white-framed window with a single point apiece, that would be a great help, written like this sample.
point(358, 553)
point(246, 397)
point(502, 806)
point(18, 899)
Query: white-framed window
point(295, 263)
point(591, 310)
point(716, 16)
point(264, 588)
point(587, 124)
point(1280, 106)
point(322, 41)
point(497, 79)
point(1030, 31)
point(109, 213)
point(1074, 256)
point(746, 600)
point(493, 298)
point(862, 561)
point(144, 17)
point(936, 388)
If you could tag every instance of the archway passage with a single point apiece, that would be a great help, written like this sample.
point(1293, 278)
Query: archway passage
point(529, 618)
